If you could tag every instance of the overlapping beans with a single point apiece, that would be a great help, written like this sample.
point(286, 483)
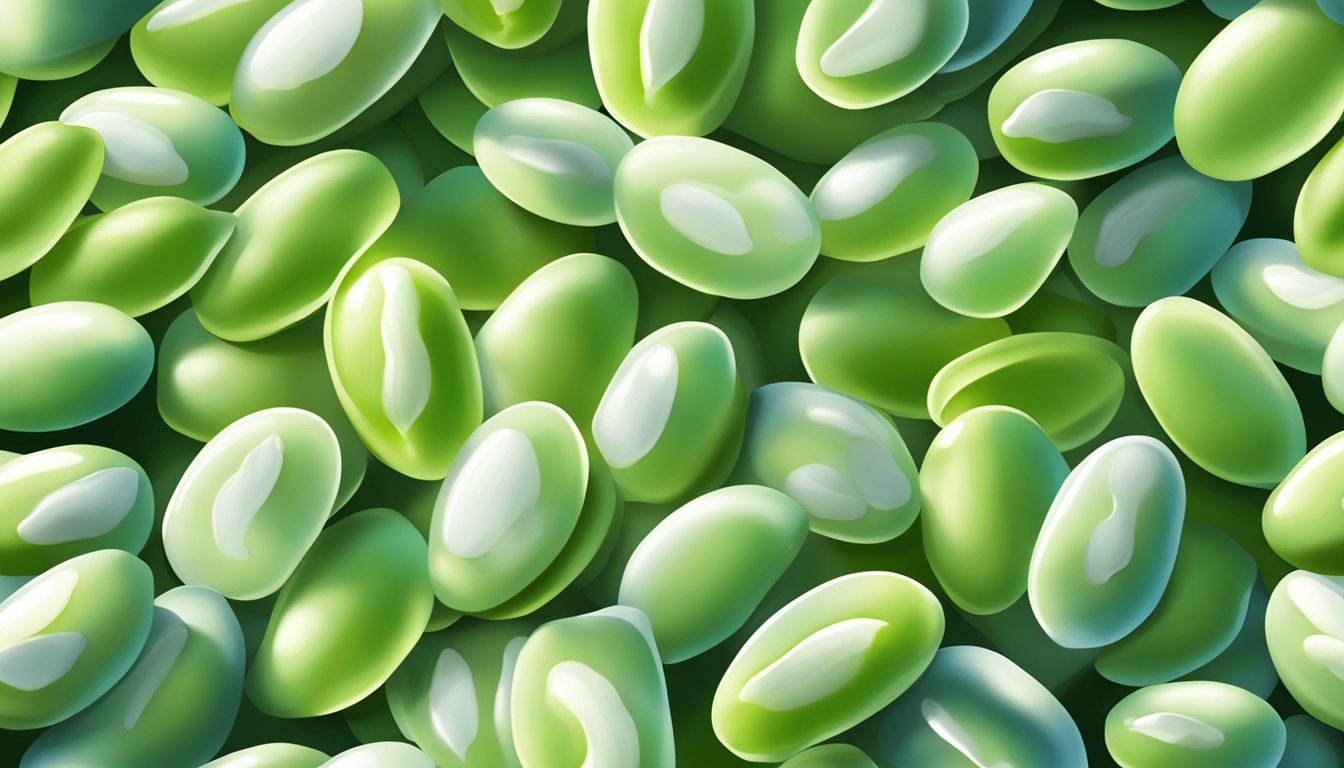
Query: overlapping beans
point(643, 383)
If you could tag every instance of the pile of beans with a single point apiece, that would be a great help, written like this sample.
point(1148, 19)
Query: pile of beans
point(652, 383)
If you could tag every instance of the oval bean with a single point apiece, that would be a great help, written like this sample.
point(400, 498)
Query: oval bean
point(553, 158)
point(1084, 109)
point(994, 521)
point(988, 256)
point(69, 635)
point(715, 218)
point(299, 81)
point(843, 461)
point(826, 662)
point(1235, 119)
point(885, 196)
point(67, 501)
point(252, 502)
point(1286, 305)
point(353, 609)
point(137, 258)
point(1156, 232)
point(401, 357)
point(1217, 393)
point(744, 538)
point(1069, 383)
point(973, 706)
point(160, 142)
point(671, 420)
point(1301, 519)
point(1195, 724)
point(589, 690)
point(278, 268)
point(176, 704)
point(858, 54)
point(1108, 545)
point(1306, 640)
point(69, 363)
point(48, 40)
point(670, 66)
point(510, 503)
point(50, 169)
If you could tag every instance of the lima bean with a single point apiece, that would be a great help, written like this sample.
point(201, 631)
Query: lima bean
point(1302, 519)
point(252, 502)
point(353, 609)
point(50, 170)
point(988, 256)
point(825, 662)
point(1235, 117)
point(589, 690)
point(1195, 367)
point(1285, 304)
point(159, 142)
point(278, 268)
point(1085, 108)
point(1069, 383)
point(299, 81)
point(401, 357)
point(47, 40)
point(841, 459)
point(1305, 628)
point(670, 66)
point(744, 538)
point(69, 635)
point(66, 501)
point(1108, 545)
point(885, 196)
point(176, 704)
point(553, 158)
point(994, 521)
point(715, 218)
point(859, 54)
point(1194, 725)
point(69, 363)
point(136, 258)
point(975, 707)
point(1156, 232)
point(671, 420)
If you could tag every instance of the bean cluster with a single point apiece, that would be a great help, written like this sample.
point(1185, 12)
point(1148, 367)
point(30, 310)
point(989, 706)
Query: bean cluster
point(652, 383)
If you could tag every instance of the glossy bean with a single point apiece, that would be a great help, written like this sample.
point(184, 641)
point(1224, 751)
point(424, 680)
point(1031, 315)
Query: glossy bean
point(1108, 545)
